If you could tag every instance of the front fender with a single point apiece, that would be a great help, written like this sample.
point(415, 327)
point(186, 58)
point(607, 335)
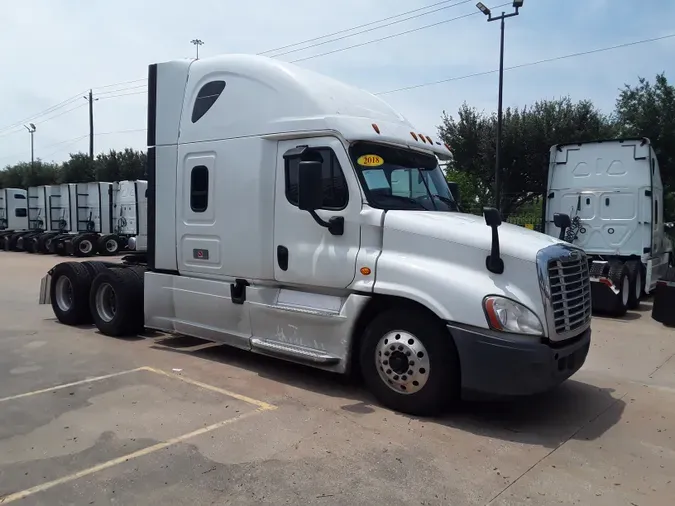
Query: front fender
point(454, 283)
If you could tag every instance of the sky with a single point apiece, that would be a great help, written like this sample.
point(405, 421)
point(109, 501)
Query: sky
point(54, 51)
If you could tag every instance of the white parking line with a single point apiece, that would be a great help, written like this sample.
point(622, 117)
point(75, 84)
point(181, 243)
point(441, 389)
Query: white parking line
point(68, 385)
point(243, 398)
point(120, 460)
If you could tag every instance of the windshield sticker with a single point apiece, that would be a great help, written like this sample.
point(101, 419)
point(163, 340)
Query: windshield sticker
point(370, 161)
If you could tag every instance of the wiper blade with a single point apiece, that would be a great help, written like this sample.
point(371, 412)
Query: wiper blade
point(448, 201)
point(409, 200)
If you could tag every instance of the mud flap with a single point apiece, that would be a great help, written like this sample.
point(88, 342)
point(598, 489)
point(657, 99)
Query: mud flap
point(603, 294)
point(45, 289)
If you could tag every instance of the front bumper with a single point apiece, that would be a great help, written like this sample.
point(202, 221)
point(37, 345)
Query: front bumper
point(494, 364)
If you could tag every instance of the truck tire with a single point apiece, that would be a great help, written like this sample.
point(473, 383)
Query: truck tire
point(618, 274)
point(109, 245)
point(637, 283)
point(45, 243)
point(94, 267)
point(84, 246)
point(12, 243)
point(69, 292)
point(409, 362)
point(59, 247)
point(116, 302)
point(30, 245)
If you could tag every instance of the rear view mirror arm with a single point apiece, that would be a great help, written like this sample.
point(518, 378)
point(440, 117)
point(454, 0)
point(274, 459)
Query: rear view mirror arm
point(335, 225)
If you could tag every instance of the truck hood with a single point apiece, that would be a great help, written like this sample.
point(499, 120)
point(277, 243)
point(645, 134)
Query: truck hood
point(470, 231)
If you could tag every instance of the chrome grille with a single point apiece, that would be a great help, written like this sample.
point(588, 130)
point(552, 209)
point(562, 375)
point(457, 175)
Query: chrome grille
point(570, 290)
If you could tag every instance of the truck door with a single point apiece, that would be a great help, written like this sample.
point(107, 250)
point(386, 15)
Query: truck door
point(304, 252)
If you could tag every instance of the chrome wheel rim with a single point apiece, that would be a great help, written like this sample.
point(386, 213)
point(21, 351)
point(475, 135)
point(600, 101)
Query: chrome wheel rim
point(625, 290)
point(86, 246)
point(64, 293)
point(111, 245)
point(402, 362)
point(106, 302)
point(638, 285)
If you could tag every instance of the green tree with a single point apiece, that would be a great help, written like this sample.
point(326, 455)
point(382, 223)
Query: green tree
point(648, 110)
point(78, 169)
point(527, 137)
point(23, 175)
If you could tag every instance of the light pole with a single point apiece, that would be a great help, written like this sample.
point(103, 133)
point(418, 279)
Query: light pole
point(31, 130)
point(197, 43)
point(517, 4)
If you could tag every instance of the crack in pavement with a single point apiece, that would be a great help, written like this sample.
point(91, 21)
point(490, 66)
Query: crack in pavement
point(659, 367)
point(557, 448)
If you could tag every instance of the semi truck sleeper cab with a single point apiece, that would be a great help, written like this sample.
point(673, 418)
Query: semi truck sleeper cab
point(295, 216)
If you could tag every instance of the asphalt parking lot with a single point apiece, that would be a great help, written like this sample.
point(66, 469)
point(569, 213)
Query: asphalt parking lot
point(87, 419)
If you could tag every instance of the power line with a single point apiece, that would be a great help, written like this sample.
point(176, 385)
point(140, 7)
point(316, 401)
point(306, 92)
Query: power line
point(42, 113)
point(530, 64)
point(370, 30)
point(76, 139)
point(124, 95)
point(128, 88)
point(18, 124)
point(353, 28)
point(424, 27)
point(120, 83)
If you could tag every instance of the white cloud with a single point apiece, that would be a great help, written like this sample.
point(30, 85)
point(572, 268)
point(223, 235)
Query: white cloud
point(60, 48)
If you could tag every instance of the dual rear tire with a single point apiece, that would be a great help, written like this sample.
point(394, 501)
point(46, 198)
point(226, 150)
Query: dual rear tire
point(107, 295)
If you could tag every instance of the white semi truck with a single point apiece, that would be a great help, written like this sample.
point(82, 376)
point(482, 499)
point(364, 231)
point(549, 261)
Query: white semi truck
point(613, 193)
point(130, 214)
point(39, 217)
point(294, 216)
point(13, 210)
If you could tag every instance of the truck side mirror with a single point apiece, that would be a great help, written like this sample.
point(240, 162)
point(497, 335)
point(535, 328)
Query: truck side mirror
point(563, 222)
point(310, 188)
point(310, 195)
point(493, 219)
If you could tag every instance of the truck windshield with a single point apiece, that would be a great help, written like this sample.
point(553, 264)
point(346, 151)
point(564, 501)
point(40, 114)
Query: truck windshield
point(396, 178)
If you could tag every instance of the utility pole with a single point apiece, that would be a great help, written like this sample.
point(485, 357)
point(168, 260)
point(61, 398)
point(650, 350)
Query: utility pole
point(90, 99)
point(197, 43)
point(31, 129)
point(517, 4)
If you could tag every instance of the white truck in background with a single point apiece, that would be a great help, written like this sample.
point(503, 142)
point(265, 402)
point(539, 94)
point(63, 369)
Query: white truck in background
point(13, 210)
point(130, 214)
point(294, 216)
point(39, 217)
point(613, 193)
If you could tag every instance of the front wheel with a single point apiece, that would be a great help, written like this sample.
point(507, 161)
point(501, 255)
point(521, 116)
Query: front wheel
point(410, 363)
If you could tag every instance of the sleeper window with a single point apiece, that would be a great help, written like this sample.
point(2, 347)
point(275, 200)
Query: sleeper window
point(199, 189)
point(335, 193)
point(206, 97)
point(20, 212)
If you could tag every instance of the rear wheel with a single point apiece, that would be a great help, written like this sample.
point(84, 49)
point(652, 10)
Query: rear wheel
point(619, 276)
point(637, 283)
point(116, 302)
point(83, 246)
point(109, 245)
point(69, 292)
point(409, 362)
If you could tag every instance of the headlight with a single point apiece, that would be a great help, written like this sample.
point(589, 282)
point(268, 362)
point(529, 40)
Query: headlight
point(507, 315)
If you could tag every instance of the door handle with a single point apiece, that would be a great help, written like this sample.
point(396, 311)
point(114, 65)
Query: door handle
point(282, 257)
